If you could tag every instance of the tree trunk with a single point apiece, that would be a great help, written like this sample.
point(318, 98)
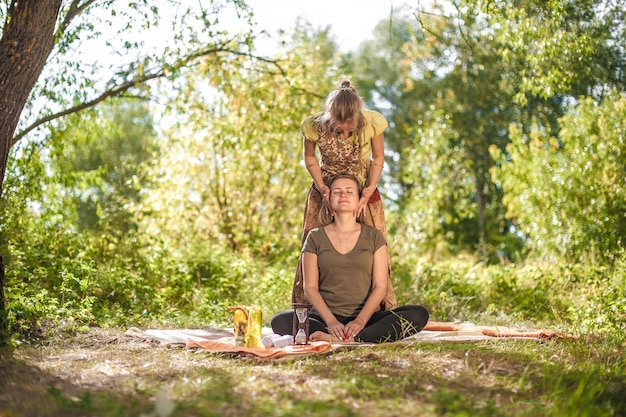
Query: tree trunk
point(26, 43)
point(480, 207)
point(4, 325)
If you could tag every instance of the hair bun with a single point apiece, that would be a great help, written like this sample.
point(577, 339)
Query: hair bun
point(345, 86)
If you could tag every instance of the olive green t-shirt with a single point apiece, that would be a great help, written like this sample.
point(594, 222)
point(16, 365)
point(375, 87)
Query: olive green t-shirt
point(345, 280)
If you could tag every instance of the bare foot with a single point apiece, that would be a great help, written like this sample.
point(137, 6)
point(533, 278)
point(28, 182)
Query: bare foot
point(325, 337)
point(319, 337)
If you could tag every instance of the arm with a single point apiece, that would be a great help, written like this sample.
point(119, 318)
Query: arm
point(312, 293)
point(376, 169)
point(380, 273)
point(313, 166)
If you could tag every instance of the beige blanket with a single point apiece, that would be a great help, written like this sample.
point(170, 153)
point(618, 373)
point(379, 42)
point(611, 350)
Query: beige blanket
point(217, 340)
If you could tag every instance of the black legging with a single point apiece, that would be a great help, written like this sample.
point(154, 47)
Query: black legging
point(383, 326)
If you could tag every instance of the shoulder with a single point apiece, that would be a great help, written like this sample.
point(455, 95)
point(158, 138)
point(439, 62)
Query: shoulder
point(376, 120)
point(374, 235)
point(313, 239)
point(309, 127)
point(370, 230)
point(316, 231)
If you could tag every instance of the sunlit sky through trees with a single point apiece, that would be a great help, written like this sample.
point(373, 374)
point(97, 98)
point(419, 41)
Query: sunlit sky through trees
point(351, 21)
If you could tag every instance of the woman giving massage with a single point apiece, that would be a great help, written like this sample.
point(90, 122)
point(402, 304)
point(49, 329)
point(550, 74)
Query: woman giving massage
point(349, 139)
point(345, 274)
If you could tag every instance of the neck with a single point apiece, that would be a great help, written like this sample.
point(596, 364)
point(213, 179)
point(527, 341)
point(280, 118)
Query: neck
point(345, 221)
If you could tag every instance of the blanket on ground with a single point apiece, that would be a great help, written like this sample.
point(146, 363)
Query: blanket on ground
point(221, 340)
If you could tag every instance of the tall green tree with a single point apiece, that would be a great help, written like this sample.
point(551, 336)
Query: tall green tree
point(449, 101)
point(455, 77)
point(560, 47)
point(560, 53)
point(567, 192)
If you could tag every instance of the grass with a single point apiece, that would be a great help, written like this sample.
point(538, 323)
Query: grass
point(102, 372)
point(67, 369)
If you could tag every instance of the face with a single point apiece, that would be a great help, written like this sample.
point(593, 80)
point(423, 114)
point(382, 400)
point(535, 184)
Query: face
point(344, 194)
point(344, 129)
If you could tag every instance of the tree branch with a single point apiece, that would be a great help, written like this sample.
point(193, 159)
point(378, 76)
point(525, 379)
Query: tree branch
point(459, 25)
point(75, 9)
point(418, 17)
point(461, 31)
point(113, 92)
point(120, 89)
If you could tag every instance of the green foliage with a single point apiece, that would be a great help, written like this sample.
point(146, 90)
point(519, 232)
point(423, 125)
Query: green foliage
point(239, 159)
point(584, 298)
point(452, 80)
point(131, 244)
point(574, 208)
point(99, 157)
point(110, 49)
point(559, 47)
point(236, 151)
point(113, 222)
point(449, 99)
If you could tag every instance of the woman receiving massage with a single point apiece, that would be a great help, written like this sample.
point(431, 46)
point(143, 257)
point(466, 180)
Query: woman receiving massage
point(345, 273)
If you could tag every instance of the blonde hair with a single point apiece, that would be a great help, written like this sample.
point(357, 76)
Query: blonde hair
point(343, 105)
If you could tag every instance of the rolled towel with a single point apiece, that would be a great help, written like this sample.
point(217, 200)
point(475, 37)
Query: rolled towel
point(278, 341)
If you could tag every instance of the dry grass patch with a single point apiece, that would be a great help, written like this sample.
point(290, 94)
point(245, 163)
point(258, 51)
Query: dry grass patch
point(107, 373)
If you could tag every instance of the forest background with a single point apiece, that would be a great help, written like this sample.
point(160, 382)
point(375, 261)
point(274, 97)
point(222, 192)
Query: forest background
point(178, 190)
point(166, 185)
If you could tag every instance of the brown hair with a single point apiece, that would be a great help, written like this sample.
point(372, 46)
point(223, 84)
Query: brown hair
point(324, 217)
point(348, 177)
